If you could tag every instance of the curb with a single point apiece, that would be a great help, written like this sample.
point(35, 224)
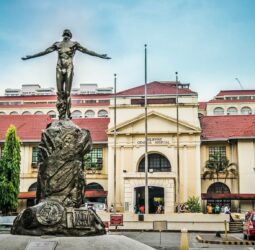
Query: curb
point(225, 242)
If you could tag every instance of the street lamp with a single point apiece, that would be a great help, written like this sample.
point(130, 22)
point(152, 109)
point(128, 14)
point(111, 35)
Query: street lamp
point(146, 191)
point(177, 144)
point(114, 154)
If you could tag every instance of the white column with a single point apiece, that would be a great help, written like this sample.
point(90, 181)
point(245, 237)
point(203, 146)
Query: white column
point(198, 170)
point(185, 173)
point(120, 181)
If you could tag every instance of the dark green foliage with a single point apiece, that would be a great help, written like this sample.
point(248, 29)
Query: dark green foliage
point(219, 165)
point(10, 172)
point(193, 205)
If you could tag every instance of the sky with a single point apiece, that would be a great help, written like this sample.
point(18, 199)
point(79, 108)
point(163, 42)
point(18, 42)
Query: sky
point(209, 42)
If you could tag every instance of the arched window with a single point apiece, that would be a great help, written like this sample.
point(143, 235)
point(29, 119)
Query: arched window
point(102, 113)
point(246, 111)
point(52, 114)
point(232, 111)
point(218, 111)
point(76, 114)
point(156, 163)
point(200, 115)
point(218, 188)
point(89, 114)
point(94, 186)
point(14, 113)
point(38, 113)
point(33, 187)
point(26, 113)
point(2, 113)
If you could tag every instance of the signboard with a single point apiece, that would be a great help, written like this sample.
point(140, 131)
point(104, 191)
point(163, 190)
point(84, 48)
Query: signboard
point(116, 220)
point(160, 225)
point(154, 141)
point(41, 245)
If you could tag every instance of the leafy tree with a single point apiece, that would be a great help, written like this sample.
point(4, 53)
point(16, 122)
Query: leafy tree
point(219, 165)
point(193, 205)
point(10, 172)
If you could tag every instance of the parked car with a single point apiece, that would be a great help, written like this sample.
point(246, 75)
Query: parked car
point(6, 223)
point(97, 206)
point(249, 225)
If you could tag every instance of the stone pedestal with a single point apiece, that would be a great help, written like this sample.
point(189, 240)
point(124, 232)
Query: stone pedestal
point(60, 186)
point(51, 218)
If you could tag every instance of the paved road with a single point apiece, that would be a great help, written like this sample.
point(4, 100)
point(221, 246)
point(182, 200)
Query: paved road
point(171, 241)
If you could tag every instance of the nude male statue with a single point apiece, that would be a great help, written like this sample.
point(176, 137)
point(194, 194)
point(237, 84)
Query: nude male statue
point(64, 70)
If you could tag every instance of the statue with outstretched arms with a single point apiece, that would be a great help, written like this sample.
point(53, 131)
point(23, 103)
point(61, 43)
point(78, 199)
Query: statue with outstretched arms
point(64, 71)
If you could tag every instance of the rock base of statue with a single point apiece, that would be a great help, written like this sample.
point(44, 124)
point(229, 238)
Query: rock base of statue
point(51, 218)
point(60, 186)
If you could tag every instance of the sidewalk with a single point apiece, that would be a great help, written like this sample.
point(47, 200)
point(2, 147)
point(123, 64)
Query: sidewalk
point(175, 222)
point(231, 240)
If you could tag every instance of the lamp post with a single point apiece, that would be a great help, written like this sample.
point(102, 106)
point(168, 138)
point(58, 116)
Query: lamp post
point(177, 144)
point(146, 191)
point(114, 151)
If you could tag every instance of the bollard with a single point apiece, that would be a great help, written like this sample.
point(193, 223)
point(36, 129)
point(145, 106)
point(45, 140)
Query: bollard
point(184, 244)
point(226, 231)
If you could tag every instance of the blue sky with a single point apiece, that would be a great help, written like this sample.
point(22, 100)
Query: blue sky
point(209, 42)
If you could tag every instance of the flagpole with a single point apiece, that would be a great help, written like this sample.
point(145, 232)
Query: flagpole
point(146, 192)
point(177, 144)
point(114, 157)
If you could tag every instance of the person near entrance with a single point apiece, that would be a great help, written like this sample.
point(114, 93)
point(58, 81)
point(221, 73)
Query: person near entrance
point(142, 209)
point(226, 210)
point(160, 209)
point(217, 209)
point(209, 209)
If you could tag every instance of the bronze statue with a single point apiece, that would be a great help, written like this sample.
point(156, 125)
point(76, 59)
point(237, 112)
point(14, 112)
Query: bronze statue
point(64, 71)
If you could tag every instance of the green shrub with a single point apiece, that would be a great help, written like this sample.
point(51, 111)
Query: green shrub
point(10, 172)
point(193, 205)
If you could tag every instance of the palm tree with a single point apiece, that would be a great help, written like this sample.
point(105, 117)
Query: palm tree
point(219, 165)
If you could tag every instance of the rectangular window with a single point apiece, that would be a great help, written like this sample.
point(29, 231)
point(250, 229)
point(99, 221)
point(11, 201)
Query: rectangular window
point(153, 101)
point(35, 156)
point(94, 159)
point(245, 97)
point(217, 150)
point(104, 101)
point(90, 101)
point(231, 98)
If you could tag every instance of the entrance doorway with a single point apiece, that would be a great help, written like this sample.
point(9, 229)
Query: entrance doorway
point(219, 188)
point(32, 201)
point(94, 192)
point(156, 198)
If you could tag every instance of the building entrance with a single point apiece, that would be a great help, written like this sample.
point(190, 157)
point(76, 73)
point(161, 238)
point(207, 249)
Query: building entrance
point(156, 199)
point(219, 188)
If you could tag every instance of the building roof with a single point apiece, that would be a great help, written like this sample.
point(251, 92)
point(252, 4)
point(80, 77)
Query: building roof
point(230, 101)
point(96, 126)
point(202, 106)
point(29, 127)
point(227, 127)
point(52, 97)
point(236, 92)
point(156, 88)
point(53, 105)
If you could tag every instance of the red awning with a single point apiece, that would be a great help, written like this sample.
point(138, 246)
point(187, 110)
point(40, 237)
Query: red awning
point(27, 195)
point(95, 193)
point(88, 194)
point(227, 196)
